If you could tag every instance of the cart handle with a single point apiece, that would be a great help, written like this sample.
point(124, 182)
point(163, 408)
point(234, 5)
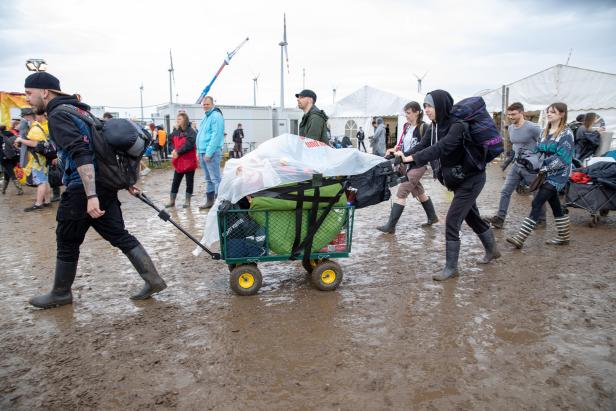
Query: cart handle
point(163, 215)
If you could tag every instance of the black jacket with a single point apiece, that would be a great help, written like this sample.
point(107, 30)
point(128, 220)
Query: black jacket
point(65, 134)
point(238, 135)
point(442, 145)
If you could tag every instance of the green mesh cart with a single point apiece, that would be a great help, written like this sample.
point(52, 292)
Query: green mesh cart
point(308, 221)
point(248, 237)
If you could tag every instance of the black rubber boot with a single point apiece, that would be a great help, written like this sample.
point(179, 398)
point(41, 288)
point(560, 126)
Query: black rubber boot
point(171, 202)
point(5, 185)
point(489, 243)
point(452, 251)
point(394, 216)
point(146, 269)
point(60, 294)
point(210, 198)
point(428, 207)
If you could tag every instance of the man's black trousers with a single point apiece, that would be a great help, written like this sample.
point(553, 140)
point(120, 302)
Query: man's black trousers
point(74, 221)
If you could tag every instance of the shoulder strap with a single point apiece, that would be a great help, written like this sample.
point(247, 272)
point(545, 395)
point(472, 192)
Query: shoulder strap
point(42, 129)
point(83, 115)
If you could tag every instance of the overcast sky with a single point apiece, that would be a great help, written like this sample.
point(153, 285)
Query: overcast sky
point(104, 50)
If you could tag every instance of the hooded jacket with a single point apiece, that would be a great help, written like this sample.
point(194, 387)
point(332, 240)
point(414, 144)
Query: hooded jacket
point(442, 145)
point(71, 136)
point(378, 141)
point(211, 134)
point(314, 125)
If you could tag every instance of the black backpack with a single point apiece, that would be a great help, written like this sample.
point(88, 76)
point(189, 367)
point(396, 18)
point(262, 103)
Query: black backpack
point(10, 152)
point(118, 145)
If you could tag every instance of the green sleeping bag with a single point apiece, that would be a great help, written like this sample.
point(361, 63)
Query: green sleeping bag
point(281, 230)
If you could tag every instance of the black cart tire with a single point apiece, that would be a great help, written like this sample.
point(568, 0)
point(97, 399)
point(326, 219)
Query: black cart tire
point(594, 220)
point(246, 279)
point(326, 276)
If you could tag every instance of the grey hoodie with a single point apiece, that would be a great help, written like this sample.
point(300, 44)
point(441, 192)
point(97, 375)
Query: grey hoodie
point(378, 141)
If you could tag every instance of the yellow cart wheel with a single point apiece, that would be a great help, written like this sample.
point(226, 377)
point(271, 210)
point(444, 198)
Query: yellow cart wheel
point(245, 279)
point(326, 276)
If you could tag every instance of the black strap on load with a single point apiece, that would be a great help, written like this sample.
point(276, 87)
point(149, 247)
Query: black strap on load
point(297, 193)
point(306, 244)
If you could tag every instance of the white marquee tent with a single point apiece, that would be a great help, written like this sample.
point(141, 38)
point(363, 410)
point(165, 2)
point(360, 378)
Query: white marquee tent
point(358, 108)
point(582, 90)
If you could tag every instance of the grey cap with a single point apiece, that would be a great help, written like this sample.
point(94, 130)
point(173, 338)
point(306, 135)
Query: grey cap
point(429, 100)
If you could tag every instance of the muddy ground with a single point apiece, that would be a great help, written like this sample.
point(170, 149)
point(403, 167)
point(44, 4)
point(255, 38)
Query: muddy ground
point(535, 330)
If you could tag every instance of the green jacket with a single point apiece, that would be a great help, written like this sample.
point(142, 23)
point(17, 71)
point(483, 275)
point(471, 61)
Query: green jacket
point(314, 125)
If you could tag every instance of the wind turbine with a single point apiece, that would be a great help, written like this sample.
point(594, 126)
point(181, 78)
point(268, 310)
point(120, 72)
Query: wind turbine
point(284, 54)
point(254, 89)
point(171, 77)
point(419, 79)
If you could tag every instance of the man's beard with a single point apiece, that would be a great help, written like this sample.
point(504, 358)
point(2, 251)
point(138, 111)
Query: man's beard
point(39, 111)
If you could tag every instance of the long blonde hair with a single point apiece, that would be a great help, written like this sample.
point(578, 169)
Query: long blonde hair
point(561, 108)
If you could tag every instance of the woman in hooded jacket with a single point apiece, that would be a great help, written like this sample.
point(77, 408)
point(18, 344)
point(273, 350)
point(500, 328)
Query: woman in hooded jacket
point(556, 148)
point(442, 147)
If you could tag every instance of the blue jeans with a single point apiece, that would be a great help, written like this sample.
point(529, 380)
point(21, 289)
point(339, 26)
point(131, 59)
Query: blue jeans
point(516, 175)
point(212, 171)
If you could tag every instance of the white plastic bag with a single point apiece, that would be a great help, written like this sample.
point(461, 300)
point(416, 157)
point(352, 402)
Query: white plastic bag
point(282, 160)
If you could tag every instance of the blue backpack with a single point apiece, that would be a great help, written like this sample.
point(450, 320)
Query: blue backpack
point(482, 141)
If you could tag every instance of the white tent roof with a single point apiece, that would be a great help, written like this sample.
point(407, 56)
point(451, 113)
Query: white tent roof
point(581, 89)
point(368, 102)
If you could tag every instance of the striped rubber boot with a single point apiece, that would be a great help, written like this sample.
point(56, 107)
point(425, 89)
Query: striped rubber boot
point(528, 225)
point(563, 225)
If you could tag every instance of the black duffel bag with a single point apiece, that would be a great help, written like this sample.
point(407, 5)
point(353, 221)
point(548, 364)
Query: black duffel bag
point(373, 185)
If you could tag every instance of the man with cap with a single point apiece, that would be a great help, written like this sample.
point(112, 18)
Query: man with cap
point(84, 204)
point(314, 121)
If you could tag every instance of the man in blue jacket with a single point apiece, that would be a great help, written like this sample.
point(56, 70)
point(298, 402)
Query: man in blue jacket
point(210, 139)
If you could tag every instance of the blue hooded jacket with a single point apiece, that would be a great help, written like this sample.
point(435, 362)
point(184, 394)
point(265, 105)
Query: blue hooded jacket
point(211, 135)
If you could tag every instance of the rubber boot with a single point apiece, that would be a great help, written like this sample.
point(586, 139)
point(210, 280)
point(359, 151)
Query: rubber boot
point(528, 225)
point(563, 228)
point(171, 202)
point(394, 216)
point(210, 198)
point(187, 201)
point(60, 294)
point(428, 207)
point(56, 194)
point(5, 185)
point(146, 269)
point(452, 251)
point(20, 191)
point(489, 243)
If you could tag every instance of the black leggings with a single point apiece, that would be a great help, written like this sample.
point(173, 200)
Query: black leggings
point(547, 193)
point(177, 180)
point(7, 169)
point(464, 208)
